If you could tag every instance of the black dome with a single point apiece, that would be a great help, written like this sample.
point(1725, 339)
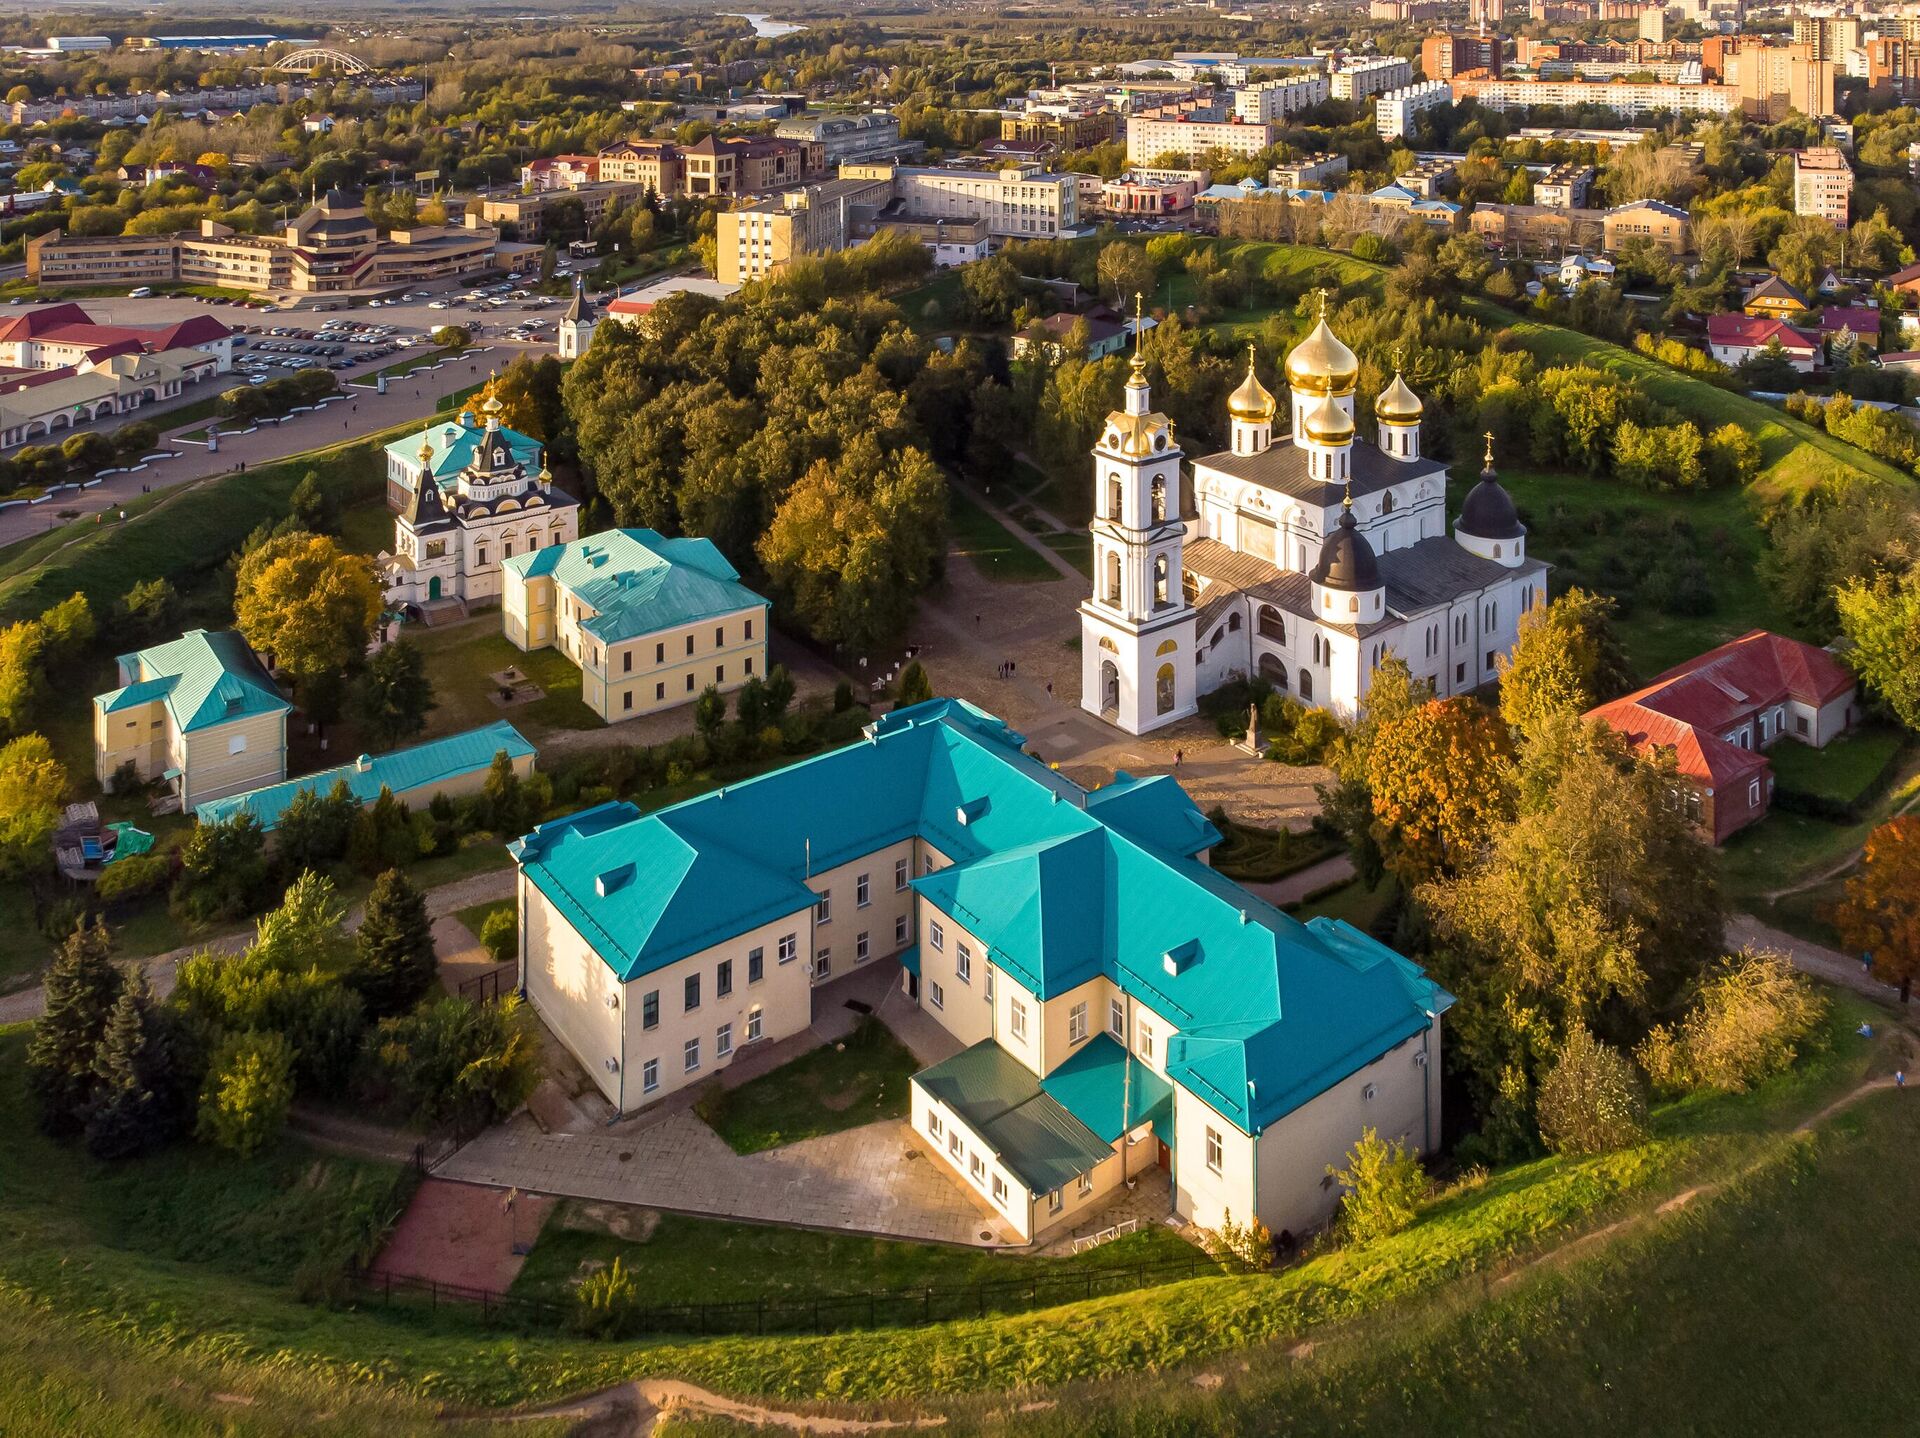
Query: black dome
point(1489, 512)
point(1346, 559)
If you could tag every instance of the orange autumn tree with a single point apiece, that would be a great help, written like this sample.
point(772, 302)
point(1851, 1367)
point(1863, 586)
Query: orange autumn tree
point(1441, 777)
point(1881, 912)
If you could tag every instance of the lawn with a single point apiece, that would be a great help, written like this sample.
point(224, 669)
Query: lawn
point(837, 1086)
point(461, 656)
point(1576, 523)
point(1786, 848)
point(1796, 455)
point(367, 527)
point(993, 549)
point(1076, 549)
point(90, 1266)
point(1353, 902)
point(702, 1260)
point(1066, 495)
point(1845, 772)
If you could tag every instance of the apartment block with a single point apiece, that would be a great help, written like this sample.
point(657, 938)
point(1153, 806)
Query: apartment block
point(1822, 184)
point(527, 214)
point(1564, 187)
point(1396, 113)
point(1193, 133)
point(1361, 80)
point(1312, 172)
point(1775, 81)
point(762, 239)
point(1631, 100)
point(1266, 101)
point(1444, 56)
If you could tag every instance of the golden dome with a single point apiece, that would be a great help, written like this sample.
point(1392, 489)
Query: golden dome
point(1398, 404)
point(1251, 401)
point(1327, 423)
point(1320, 364)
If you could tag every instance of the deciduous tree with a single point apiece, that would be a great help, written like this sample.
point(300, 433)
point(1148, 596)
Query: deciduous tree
point(1880, 914)
point(299, 598)
point(33, 784)
point(1440, 780)
point(1568, 659)
point(248, 1090)
point(392, 698)
point(1881, 618)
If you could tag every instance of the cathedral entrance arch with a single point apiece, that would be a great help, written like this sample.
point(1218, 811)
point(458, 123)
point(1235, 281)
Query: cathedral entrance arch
point(433, 587)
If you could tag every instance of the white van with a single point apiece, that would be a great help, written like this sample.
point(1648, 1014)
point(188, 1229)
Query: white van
point(145, 292)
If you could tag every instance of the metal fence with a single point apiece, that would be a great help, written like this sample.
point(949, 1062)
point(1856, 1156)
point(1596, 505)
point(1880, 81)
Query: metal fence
point(490, 987)
point(814, 1313)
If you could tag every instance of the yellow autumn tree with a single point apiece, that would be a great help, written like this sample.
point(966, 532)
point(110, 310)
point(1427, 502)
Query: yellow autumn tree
point(312, 607)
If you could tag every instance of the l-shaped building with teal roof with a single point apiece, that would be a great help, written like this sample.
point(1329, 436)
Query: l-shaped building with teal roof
point(1115, 1006)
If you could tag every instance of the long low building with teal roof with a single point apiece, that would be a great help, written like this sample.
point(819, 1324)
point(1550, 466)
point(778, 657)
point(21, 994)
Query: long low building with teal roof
point(454, 765)
point(199, 714)
point(651, 621)
point(1115, 1005)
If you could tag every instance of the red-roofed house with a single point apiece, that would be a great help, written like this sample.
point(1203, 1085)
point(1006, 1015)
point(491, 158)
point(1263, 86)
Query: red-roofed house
point(1718, 712)
point(64, 335)
point(1733, 338)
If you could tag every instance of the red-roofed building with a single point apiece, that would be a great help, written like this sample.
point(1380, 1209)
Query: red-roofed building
point(1717, 713)
point(62, 336)
point(1733, 338)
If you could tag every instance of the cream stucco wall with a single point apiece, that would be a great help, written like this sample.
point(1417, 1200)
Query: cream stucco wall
point(137, 734)
point(838, 937)
point(1282, 1174)
point(569, 984)
point(961, 1008)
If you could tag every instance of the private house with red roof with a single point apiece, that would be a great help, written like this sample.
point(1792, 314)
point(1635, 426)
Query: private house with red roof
point(1733, 338)
point(1718, 713)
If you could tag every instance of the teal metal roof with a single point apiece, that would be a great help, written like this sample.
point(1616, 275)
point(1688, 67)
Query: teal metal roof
point(454, 445)
point(205, 679)
point(638, 582)
point(910, 960)
point(1101, 1081)
point(435, 762)
point(1269, 1011)
point(1030, 1132)
point(1154, 810)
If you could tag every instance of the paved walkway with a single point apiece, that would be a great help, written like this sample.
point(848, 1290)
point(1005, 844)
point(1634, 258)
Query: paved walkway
point(362, 413)
point(1811, 958)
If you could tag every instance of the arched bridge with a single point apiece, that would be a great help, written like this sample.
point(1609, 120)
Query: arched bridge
point(305, 62)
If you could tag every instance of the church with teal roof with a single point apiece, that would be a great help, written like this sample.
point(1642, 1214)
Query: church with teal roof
point(1114, 1011)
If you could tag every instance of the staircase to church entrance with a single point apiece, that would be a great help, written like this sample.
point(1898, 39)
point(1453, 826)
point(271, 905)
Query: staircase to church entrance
point(443, 611)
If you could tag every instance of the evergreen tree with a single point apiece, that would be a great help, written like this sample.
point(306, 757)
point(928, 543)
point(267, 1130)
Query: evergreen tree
point(393, 696)
point(396, 962)
point(502, 796)
point(915, 687)
point(82, 987)
point(134, 1106)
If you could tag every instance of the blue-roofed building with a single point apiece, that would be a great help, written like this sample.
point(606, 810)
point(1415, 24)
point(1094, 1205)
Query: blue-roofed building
point(199, 713)
point(454, 765)
point(469, 494)
point(1118, 1005)
point(651, 621)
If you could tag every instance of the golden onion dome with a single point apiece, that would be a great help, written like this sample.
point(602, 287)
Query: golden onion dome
point(1320, 364)
point(1327, 423)
point(1398, 404)
point(1251, 401)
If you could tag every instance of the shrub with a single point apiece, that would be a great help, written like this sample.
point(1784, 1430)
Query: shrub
point(1247, 1246)
point(248, 1090)
point(1383, 1183)
point(455, 1061)
point(605, 1302)
point(500, 935)
point(1749, 1016)
point(383, 836)
point(133, 878)
point(136, 439)
point(1591, 1100)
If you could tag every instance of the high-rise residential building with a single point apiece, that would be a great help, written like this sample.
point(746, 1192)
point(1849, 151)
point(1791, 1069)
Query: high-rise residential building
point(1444, 56)
point(1829, 36)
point(1774, 81)
point(1893, 68)
point(1485, 14)
point(1396, 112)
point(1822, 184)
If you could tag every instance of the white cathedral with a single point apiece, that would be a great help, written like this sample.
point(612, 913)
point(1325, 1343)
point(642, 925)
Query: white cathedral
point(1305, 560)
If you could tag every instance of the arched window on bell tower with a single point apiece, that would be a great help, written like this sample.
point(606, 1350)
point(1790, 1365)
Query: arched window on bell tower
point(1160, 599)
point(1113, 498)
point(1159, 500)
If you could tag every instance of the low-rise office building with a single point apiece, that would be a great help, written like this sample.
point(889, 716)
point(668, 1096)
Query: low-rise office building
point(1564, 187)
point(524, 217)
point(650, 621)
point(1311, 172)
point(716, 166)
point(1669, 226)
point(1018, 202)
point(840, 138)
point(1193, 133)
point(762, 239)
point(651, 164)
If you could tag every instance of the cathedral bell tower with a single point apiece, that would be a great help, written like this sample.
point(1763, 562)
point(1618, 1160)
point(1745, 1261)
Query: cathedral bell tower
point(1137, 629)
